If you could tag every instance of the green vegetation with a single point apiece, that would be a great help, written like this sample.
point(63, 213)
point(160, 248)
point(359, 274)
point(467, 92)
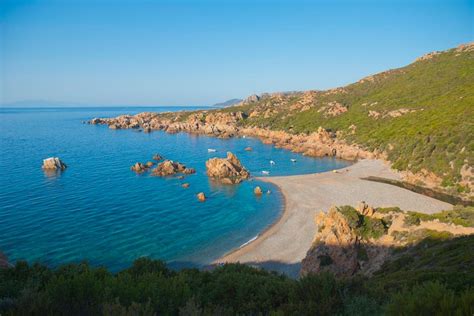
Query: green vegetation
point(463, 216)
point(438, 135)
point(412, 281)
point(365, 226)
point(433, 274)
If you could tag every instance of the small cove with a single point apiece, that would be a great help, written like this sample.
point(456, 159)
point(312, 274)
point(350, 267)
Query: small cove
point(101, 211)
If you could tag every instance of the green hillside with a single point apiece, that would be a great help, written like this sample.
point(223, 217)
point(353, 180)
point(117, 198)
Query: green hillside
point(436, 134)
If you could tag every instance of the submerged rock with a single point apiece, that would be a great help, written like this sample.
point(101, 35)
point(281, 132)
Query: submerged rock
point(185, 185)
point(53, 163)
point(248, 149)
point(227, 170)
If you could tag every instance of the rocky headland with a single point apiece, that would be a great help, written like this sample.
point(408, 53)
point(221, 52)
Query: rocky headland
point(382, 116)
point(359, 240)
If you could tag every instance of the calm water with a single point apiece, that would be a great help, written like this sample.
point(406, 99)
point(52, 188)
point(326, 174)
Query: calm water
point(101, 211)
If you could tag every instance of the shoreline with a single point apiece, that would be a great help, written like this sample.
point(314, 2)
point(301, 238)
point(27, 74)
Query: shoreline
point(282, 245)
point(267, 232)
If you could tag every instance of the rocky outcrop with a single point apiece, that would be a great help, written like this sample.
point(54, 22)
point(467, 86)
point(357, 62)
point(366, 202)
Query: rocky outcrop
point(227, 124)
point(201, 196)
point(359, 240)
point(157, 157)
point(53, 163)
point(169, 167)
point(333, 109)
point(226, 170)
point(138, 167)
point(335, 247)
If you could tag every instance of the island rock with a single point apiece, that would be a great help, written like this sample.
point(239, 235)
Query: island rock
point(227, 170)
point(201, 196)
point(53, 163)
point(169, 167)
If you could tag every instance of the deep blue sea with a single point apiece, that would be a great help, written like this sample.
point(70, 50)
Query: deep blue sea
point(100, 211)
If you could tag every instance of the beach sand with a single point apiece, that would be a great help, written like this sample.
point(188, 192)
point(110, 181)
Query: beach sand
point(283, 245)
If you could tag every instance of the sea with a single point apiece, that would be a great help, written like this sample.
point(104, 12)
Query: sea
point(101, 212)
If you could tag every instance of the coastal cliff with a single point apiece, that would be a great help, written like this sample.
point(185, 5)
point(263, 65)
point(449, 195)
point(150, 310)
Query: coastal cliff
point(358, 241)
point(419, 118)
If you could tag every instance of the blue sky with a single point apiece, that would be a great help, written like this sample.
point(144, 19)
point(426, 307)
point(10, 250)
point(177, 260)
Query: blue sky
point(202, 52)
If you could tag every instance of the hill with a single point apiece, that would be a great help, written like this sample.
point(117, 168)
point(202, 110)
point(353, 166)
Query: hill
point(228, 103)
point(419, 117)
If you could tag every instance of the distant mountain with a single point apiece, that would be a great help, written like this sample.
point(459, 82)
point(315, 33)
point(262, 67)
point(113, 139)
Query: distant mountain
point(228, 103)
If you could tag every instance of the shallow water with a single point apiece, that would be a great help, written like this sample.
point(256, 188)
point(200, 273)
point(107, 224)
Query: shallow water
point(101, 211)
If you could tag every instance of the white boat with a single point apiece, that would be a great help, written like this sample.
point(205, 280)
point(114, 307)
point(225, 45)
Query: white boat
point(293, 160)
point(211, 150)
point(265, 172)
point(272, 162)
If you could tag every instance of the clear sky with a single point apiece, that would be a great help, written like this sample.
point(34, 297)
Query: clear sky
point(202, 52)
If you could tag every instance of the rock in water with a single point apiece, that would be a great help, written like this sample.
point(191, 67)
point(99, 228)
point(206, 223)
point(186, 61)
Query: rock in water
point(139, 167)
point(157, 157)
point(257, 190)
point(53, 163)
point(169, 167)
point(149, 164)
point(201, 196)
point(248, 148)
point(227, 170)
point(185, 185)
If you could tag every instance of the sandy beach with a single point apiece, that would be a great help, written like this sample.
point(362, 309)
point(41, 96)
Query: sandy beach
point(283, 245)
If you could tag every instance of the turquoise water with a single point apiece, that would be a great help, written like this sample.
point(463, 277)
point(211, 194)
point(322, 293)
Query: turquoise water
point(101, 211)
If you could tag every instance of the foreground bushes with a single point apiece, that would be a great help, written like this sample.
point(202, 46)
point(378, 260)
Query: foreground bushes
point(148, 288)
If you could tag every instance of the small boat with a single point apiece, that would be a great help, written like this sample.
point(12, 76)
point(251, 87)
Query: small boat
point(293, 160)
point(211, 150)
point(265, 172)
point(272, 162)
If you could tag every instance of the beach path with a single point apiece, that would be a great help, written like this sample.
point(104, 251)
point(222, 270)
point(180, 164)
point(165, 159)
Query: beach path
point(284, 245)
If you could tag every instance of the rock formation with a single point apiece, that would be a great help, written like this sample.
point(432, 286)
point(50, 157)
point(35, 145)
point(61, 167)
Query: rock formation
point(53, 163)
point(201, 196)
point(359, 240)
point(227, 170)
point(139, 167)
point(157, 157)
point(257, 191)
point(169, 167)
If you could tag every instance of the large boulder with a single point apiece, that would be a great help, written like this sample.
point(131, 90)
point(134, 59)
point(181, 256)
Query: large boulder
point(335, 247)
point(53, 163)
point(169, 167)
point(139, 167)
point(227, 170)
